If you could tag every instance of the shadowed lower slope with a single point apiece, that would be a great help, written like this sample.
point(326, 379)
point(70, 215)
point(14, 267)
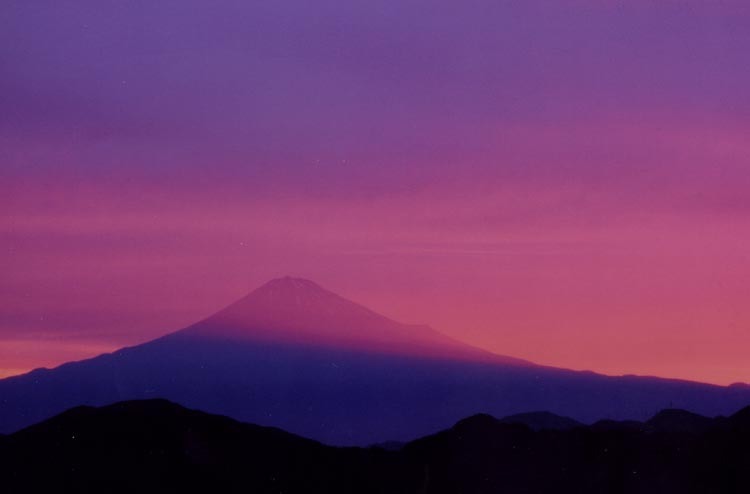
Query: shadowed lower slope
point(296, 356)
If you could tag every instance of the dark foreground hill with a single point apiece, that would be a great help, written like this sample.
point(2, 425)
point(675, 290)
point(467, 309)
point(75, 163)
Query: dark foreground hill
point(296, 356)
point(157, 446)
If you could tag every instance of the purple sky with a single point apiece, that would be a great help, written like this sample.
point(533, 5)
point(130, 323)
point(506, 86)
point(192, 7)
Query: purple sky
point(562, 181)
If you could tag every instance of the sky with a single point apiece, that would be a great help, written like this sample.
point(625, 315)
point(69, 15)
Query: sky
point(561, 181)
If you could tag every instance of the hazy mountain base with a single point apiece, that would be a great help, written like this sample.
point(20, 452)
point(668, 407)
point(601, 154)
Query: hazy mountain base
point(156, 446)
point(341, 397)
point(296, 356)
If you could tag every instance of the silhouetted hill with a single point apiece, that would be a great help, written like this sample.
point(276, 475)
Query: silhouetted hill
point(296, 356)
point(389, 445)
point(741, 420)
point(619, 425)
point(684, 454)
point(672, 420)
point(156, 446)
point(542, 420)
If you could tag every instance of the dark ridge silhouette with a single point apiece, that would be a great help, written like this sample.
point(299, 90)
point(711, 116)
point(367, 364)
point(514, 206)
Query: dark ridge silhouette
point(389, 445)
point(158, 446)
point(482, 456)
point(477, 420)
point(155, 446)
point(542, 421)
point(741, 420)
point(672, 420)
point(619, 425)
point(296, 356)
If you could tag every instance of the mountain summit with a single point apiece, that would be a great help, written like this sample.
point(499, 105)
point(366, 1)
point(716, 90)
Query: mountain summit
point(299, 311)
point(294, 305)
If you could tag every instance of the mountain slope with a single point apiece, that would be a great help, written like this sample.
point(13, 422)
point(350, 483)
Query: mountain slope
point(295, 356)
point(298, 311)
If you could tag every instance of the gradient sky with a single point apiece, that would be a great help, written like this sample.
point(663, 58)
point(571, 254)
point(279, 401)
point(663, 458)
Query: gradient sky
point(562, 181)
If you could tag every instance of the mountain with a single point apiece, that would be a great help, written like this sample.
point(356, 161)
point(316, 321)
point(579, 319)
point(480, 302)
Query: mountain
point(296, 356)
point(300, 312)
point(155, 446)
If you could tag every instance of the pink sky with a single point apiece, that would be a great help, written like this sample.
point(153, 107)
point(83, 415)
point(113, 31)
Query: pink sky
point(565, 184)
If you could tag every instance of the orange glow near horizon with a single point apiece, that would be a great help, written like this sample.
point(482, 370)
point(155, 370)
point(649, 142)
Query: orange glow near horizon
point(657, 295)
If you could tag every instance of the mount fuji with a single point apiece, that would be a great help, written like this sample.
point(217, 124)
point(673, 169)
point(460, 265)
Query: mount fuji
point(296, 356)
point(297, 311)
